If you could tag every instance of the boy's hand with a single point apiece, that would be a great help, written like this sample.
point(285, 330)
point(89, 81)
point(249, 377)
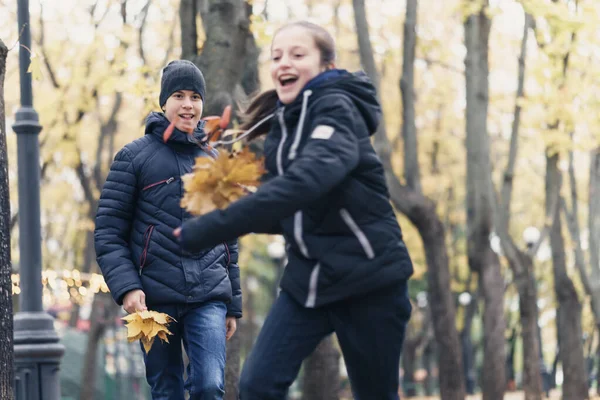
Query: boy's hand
point(231, 326)
point(134, 301)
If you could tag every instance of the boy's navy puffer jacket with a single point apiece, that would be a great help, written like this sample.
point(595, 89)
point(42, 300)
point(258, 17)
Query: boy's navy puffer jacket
point(328, 196)
point(138, 210)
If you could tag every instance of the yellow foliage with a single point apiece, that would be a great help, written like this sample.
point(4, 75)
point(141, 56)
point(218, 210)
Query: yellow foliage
point(146, 326)
point(215, 183)
point(35, 68)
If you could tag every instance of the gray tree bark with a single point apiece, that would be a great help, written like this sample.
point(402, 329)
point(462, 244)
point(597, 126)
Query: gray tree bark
point(421, 211)
point(521, 262)
point(232, 367)
point(322, 372)
point(222, 60)
point(480, 208)
point(407, 88)
point(6, 312)
point(594, 219)
point(103, 313)
point(569, 308)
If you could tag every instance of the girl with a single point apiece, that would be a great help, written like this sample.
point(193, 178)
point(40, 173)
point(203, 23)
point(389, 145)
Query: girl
point(141, 261)
point(348, 266)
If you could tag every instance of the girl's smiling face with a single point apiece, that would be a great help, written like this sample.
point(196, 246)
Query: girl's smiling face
point(295, 60)
point(184, 107)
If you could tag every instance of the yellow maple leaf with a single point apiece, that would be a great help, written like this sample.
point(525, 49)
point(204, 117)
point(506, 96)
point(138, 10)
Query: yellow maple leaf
point(216, 183)
point(146, 326)
point(35, 69)
point(147, 342)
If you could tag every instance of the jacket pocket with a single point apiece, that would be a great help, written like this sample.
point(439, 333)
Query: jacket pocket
point(163, 182)
point(146, 240)
point(360, 235)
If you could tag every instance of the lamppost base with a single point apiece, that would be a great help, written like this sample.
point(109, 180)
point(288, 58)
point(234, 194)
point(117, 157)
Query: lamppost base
point(37, 357)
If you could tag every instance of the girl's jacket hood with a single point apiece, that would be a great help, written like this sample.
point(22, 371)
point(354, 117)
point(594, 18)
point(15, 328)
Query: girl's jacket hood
point(357, 86)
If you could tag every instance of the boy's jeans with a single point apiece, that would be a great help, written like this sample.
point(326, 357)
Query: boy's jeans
point(202, 329)
point(370, 331)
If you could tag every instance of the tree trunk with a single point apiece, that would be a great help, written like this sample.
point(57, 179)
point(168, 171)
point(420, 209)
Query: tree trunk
point(409, 365)
point(525, 282)
point(227, 27)
point(422, 213)
point(414, 340)
point(407, 88)
point(6, 316)
point(322, 372)
point(250, 77)
point(479, 205)
point(232, 367)
point(429, 366)
point(88, 260)
point(104, 310)
point(510, 361)
point(594, 220)
point(569, 308)
point(468, 350)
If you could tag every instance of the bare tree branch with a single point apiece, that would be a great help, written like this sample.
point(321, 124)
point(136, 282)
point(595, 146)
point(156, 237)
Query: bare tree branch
point(507, 184)
point(124, 11)
point(107, 130)
point(41, 43)
point(144, 17)
point(442, 64)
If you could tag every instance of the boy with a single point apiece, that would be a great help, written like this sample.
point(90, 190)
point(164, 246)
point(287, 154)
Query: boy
point(142, 262)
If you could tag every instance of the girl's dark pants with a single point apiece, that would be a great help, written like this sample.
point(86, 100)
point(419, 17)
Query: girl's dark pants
point(370, 331)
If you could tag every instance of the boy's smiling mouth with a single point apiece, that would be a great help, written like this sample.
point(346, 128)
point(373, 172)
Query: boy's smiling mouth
point(186, 116)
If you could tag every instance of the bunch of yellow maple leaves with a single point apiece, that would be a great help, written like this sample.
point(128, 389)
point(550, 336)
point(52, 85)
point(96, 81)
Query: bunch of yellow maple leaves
point(147, 326)
point(217, 182)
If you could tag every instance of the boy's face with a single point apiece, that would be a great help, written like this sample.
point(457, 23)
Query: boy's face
point(184, 107)
point(295, 60)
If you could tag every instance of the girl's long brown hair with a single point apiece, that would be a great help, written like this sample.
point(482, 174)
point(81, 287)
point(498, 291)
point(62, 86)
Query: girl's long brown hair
point(264, 103)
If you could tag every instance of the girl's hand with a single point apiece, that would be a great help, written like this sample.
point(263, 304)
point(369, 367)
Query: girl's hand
point(177, 232)
point(230, 326)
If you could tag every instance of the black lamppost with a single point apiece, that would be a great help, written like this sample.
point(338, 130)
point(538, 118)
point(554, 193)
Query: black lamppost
point(37, 348)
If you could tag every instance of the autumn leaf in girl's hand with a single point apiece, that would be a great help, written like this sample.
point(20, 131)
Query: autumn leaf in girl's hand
point(146, 326)
point(215, 183)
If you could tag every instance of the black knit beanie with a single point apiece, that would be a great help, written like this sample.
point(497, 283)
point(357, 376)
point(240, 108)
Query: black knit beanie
point(180, 75)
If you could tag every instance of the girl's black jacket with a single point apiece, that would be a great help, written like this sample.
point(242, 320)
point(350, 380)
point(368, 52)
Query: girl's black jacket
point(327, 196)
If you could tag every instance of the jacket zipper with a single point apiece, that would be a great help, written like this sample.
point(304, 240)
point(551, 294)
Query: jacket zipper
point(144, 255)
point(360, 235)
point(165, 181)
point(284, 136)
point(298, 136)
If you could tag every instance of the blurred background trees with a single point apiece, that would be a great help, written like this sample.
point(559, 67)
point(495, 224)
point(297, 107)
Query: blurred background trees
point(491, 147)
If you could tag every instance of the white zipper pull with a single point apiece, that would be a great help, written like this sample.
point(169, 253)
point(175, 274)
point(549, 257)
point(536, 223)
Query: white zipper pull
point(171, 179)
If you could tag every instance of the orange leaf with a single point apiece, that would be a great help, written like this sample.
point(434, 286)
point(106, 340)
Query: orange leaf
point(168, 132)
point(225, 118)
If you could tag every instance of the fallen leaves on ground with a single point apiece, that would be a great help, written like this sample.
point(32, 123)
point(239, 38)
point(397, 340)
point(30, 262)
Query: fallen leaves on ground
point(146, 326)
point(215, 183)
